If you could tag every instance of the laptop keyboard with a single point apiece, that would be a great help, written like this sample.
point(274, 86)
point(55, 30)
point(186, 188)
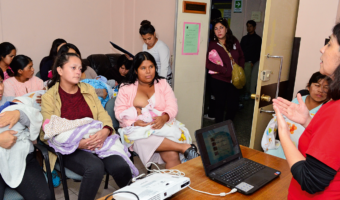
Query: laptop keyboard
point(240, 172)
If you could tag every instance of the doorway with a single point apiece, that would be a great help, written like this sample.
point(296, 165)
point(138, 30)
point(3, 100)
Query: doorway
point(237, 21)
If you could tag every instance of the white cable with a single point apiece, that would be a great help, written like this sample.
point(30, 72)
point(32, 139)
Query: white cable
point(176, 172)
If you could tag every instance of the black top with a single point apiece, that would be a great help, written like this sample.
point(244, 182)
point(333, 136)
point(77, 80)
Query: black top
point(251, 47)
point(45, 66)
point(312, 174)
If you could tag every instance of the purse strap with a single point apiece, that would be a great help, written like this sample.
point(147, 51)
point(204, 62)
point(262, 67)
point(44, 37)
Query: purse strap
point(229, 54)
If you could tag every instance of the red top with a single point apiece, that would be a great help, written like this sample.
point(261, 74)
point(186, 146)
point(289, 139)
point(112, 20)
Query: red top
point(321, 139)
point(74, 106)
point(224, 73)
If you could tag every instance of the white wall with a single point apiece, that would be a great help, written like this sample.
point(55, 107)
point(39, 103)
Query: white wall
point(314, 25)
point(33, 25)
point(238, 20)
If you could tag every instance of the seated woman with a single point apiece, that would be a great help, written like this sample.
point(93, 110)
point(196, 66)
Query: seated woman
point(318, 88)
point(67, 94)
point(47, 62)
point(124, 63)
point(23, 81)
point(33, 184)
point(145, 85)
point(7, 53)
point(87, 72)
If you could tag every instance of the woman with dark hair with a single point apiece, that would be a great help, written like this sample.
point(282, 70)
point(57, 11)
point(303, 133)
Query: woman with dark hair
point(87, 72)
point(47, 62)
point(123, 66)
point(315, 164)
point(317, 87)
point(224, 91)
point(143, 86)
point(23, 81)
point(71, 99)
point(33, 185)
point(157, 48)
point(7, 53)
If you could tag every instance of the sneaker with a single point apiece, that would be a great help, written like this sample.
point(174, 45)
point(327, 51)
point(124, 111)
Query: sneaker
point(55, 178)
point(207, 117)
point(191, 152)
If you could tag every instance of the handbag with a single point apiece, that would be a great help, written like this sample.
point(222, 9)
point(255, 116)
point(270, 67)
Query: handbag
point(238, 78)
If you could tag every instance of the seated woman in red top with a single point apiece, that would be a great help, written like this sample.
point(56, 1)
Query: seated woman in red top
point(224, 91)
point(315, 164)
point(71, 99)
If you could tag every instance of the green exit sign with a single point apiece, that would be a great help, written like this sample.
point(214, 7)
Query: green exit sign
point(238, 6)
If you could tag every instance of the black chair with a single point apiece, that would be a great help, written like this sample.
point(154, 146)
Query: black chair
point(67, 173)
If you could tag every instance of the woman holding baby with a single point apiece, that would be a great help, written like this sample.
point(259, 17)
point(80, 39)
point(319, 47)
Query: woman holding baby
point(71, 99)
point(146, 87)
point(33, 184)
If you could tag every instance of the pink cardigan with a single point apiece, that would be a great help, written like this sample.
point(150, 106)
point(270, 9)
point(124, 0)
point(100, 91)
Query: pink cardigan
point(165, 100)
point(14, 88)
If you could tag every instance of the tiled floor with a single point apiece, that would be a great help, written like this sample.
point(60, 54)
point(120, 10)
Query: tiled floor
point(73, 187)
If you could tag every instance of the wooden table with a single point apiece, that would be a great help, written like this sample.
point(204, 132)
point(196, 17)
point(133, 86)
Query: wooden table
point(277, 189)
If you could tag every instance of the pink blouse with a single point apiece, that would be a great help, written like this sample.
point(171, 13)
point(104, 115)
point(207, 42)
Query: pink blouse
point(164, 96)
point(6, 76)
point(14, 88)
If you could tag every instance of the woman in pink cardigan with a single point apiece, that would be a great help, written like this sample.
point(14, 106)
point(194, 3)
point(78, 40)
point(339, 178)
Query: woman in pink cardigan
point(143, 85)
point(23, 81)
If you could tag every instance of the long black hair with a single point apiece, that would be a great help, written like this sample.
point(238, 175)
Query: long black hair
point(334, 88)
point(137, 61)
point(60, 61)
point(146, 28)
point(54, 49)
point(19, 62)
point(230, 38)
point(5, 49)
point(64, 49)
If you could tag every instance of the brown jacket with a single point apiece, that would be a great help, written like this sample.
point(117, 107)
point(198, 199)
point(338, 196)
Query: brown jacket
point(51, 105)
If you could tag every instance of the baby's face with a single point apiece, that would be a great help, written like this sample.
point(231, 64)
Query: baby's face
point(139, 111)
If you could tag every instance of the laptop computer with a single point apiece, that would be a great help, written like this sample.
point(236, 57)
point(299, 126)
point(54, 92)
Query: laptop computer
point(223, 162)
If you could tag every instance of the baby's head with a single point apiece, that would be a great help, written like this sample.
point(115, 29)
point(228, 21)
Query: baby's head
point(139, 110)
point(24, 100)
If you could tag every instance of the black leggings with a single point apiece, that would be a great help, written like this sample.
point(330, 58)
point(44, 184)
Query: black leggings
point(93, 168)
point(225, 94)
point(33, 185)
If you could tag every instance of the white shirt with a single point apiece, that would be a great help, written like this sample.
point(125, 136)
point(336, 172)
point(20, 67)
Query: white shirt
point(161, 52)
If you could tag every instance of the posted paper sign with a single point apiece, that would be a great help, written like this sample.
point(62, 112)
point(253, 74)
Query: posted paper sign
point(191, 38)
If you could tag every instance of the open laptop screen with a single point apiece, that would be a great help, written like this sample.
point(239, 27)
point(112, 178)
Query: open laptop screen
point(220, 144)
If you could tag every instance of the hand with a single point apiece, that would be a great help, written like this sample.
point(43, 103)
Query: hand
point(84, 144)
point(282, 125)
point(97, 140)
point(159, 121)
point(38, 100)
point(104, 93)
point(298, 113)
point(218, 62)
point(7, 139)
point(9, 118)
point(141, 123)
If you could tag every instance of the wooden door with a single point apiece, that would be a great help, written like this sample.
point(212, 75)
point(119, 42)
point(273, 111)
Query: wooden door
point(278, 35)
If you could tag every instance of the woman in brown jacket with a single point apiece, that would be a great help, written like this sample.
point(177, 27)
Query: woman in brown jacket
point(68, 98)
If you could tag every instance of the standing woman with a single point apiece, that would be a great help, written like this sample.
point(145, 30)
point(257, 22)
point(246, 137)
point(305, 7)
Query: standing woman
point(157, 48)
point(47, 62)
point(7, 53)
point(315, 164)
point(222, 88)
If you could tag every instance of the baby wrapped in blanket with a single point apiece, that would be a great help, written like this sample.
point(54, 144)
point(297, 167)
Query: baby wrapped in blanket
point(173, 130)
point(64, 135)
point(13, 160)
